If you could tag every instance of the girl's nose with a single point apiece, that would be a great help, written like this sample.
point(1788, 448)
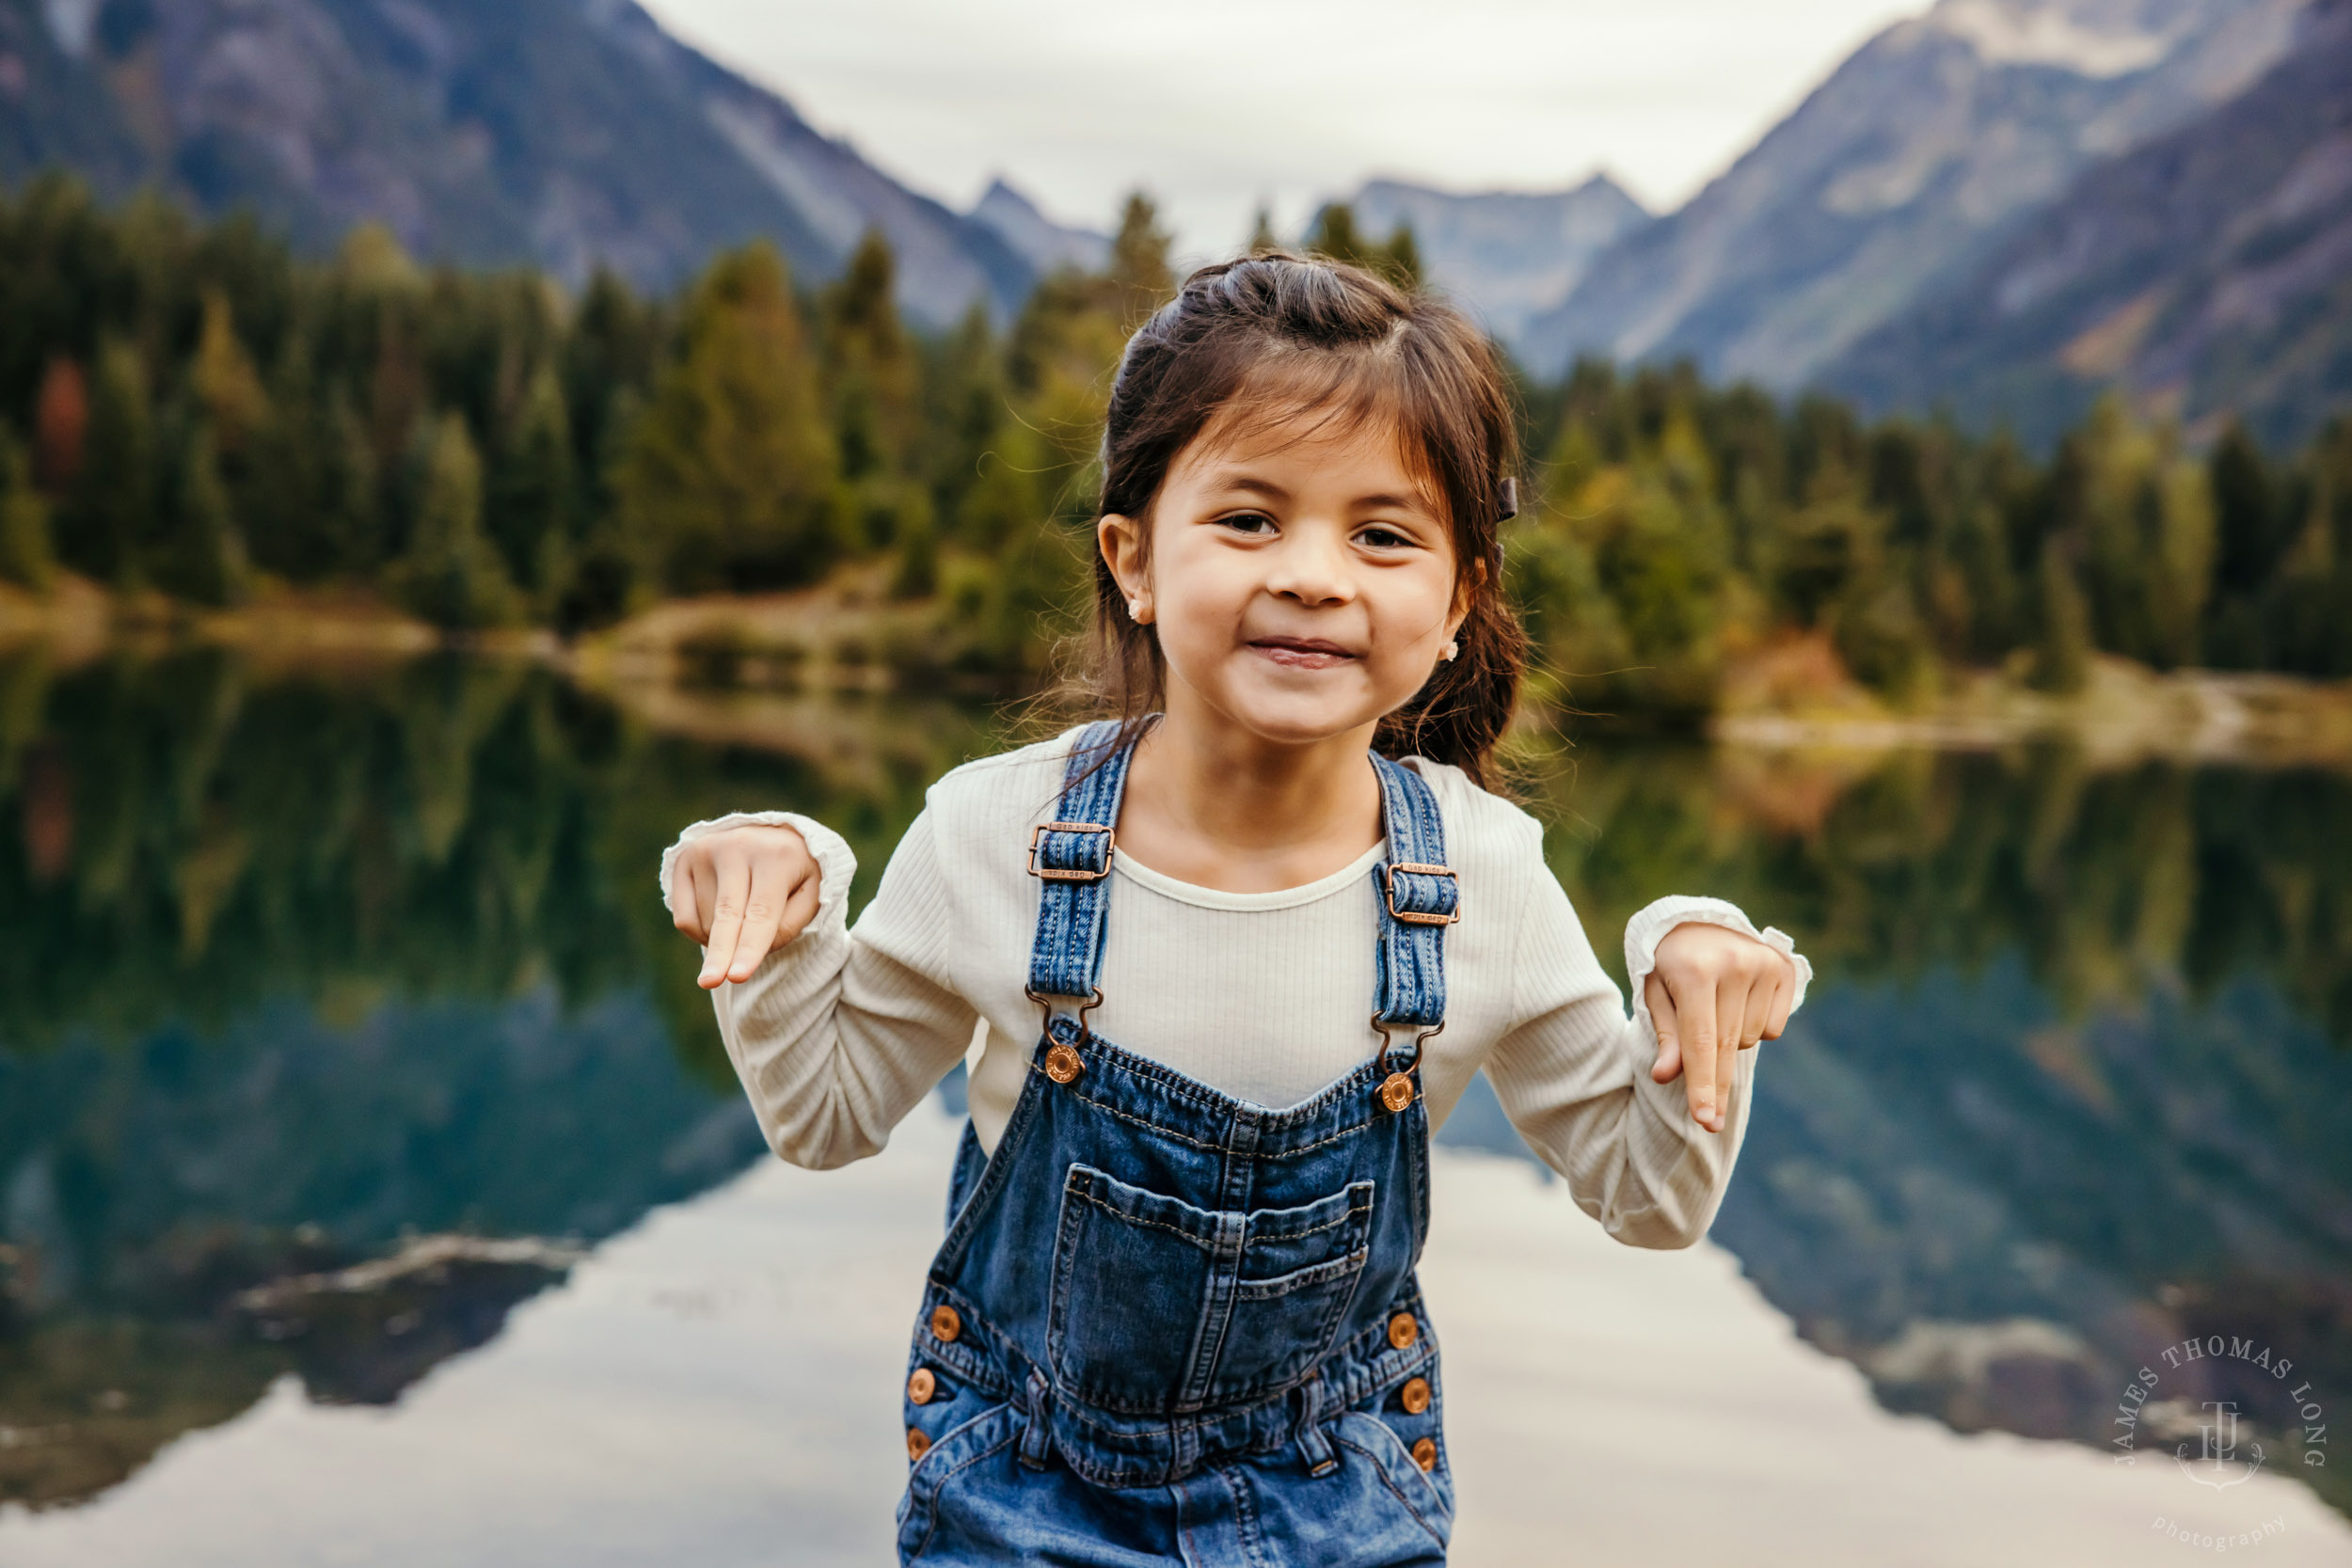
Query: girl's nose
point(1310, 569)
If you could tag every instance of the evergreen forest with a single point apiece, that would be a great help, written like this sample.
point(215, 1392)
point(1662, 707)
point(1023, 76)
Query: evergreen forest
point(192, 415)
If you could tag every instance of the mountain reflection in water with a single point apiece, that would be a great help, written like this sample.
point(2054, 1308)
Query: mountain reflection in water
point(338, 1011)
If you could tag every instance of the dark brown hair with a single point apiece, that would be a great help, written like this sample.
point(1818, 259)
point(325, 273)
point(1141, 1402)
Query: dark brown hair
point(1274, 336)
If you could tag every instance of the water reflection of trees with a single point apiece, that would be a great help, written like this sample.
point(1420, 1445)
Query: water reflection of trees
point(292, 966)
point(293, 960)
point(2076, 1083)
point(193, 838)
point(2106, 880)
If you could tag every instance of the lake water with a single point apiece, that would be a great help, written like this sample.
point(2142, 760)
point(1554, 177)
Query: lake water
point(372, 1187)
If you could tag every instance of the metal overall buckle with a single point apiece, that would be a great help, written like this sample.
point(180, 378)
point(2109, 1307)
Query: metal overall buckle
point(1396, 1090)
point(1063, 1061)
point(1418, 917)
point(1057, 874)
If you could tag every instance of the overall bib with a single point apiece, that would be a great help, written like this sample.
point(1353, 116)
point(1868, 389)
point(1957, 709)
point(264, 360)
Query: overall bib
point(1169, 1326)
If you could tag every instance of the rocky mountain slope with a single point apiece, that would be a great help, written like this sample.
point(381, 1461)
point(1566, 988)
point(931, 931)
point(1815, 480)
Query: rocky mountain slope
point(1042, 243)
point(1900, 172)
point(2207, 271)
point(1510, 256)
point(570, 133)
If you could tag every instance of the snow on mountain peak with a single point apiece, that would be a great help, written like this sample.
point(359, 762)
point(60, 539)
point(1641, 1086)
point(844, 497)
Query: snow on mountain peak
point(2090, 38)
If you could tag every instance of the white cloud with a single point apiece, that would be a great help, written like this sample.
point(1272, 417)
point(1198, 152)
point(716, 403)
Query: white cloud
point(1217, 106)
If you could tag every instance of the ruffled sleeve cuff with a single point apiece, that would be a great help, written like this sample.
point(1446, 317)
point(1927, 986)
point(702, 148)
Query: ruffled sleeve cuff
point(1646, 929)
point(837, 863)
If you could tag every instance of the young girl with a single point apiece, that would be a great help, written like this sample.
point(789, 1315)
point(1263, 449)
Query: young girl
point(1230, 956)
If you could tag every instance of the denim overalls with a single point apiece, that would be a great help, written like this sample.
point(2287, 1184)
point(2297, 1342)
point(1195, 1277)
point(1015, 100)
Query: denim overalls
point(1171, 1325)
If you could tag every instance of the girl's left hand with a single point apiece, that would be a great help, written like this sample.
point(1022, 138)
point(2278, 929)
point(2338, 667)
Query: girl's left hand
point(1714, 993)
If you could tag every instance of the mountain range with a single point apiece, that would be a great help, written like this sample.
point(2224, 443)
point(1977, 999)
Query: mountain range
point(2209, 271)
point(1510, 255)
point(1999, 207)
point(568, 134)
point(1042, 243)
point(1906, 165)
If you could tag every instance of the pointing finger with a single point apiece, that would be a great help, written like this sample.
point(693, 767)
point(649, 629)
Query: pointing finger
point(1700, 1031)
point(1731, 1010)
point(763, 907)
point(726, 919)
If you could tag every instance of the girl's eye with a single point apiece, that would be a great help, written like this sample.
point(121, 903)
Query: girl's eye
point(1249, 522)
point(1381, 537)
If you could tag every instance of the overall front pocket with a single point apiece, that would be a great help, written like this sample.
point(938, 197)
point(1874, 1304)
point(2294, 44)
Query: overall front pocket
point(1159, 1307)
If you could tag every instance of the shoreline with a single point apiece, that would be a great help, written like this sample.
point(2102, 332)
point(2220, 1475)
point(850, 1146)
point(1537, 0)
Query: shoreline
point(735, 665)
point(2125, 713)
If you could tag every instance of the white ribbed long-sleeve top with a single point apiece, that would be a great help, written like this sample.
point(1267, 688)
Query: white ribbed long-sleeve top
point(1263, 996)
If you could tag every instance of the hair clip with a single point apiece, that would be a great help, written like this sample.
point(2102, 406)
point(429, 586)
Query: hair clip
point(1510, 501)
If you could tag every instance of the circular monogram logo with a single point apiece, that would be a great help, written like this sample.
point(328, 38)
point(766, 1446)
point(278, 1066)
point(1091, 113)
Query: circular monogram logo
point(2217, 1410)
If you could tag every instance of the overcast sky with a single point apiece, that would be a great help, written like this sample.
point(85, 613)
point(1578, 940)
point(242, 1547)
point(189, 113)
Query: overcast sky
point(1216, 106)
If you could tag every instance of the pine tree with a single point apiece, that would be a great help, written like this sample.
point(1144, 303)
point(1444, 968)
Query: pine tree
point(1336, 234)
point(609, 357)
point(2062, 653)
point(2310, 631)
point(869, 373)
point(224, 378)
point(2141, 522)
point(451, 575)
point(1139, 260)
point(2246, 513)
point(201, 556)
point(1401, 258)
point(2252, 533)
point(1006, 503)
point(532, 502)
point(2178, 522)
point(867, 365)
point(351, 491)
point(966, 404)
point(112, 505)
point(729, 473)
point(27, 557)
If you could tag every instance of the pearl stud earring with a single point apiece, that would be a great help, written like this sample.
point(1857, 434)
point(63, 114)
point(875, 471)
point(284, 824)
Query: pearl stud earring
point(1451, 648)
point(1134, 610)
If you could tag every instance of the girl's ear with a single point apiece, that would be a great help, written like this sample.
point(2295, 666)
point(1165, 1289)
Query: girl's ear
point(1121, 540)
point(1468, 584)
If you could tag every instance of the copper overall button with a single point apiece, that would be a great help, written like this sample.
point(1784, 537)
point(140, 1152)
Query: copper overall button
point(1414, 1396)
point(1424, 1454)
point(1396, 1091)
point(919, 1445)
point(922, 1386)
point(1062, 1064)
point(946, 1325)
point(1403, 1330)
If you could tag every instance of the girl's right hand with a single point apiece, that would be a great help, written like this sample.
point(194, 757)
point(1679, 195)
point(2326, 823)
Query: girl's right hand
point(743, 892)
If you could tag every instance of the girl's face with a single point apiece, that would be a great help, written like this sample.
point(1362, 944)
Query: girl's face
point(1302, 580)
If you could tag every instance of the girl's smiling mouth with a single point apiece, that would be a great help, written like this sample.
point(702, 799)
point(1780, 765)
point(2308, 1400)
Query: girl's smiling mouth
point(1302, 653)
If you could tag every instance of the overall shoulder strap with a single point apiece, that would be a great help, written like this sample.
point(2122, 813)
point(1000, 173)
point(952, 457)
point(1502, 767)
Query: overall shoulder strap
point(1070, 857)
point(1419, 898)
